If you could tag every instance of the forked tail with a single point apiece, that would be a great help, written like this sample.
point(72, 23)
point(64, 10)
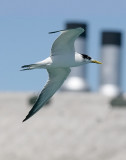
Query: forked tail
point(29, 67)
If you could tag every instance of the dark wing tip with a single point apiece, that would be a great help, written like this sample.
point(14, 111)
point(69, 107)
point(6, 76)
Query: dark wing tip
point(66, 29)
point(24, 120)
point(56, 31)
point(27, 117)
point(53, 32)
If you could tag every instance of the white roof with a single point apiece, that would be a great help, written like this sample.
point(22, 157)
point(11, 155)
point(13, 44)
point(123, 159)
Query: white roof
point(75, 126)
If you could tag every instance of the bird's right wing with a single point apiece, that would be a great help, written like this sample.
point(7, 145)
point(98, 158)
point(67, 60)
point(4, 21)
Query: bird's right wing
point(64, 44)
point(56, 78)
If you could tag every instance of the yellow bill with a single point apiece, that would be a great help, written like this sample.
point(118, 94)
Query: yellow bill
point(94, 61)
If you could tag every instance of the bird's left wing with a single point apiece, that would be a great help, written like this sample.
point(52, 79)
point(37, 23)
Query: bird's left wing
point(56, 78)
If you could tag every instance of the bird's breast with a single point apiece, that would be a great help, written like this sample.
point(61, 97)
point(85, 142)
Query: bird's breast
point(65, 61)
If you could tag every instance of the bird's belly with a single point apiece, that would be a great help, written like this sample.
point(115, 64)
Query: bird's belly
point(64, 61)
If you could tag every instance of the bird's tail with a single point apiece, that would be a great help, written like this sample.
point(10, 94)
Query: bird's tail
point(29, 67)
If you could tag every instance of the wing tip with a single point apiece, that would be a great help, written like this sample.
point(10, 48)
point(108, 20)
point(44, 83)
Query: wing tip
point(27, 117)
point(24, 120)
point(55, 31)
point(67, 29)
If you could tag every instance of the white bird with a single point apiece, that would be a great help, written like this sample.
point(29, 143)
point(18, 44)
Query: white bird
point(58, 64)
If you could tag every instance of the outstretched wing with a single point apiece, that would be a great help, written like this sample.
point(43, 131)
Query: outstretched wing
point(64, 44)
point(56, 79)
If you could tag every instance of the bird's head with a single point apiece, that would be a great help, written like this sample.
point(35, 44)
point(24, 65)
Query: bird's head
point(88, 59)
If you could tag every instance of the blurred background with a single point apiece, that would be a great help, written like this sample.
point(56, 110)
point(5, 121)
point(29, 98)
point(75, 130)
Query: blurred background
point(86, 119)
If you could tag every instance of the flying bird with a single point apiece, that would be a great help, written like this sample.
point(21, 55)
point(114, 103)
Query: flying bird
point(63, 57)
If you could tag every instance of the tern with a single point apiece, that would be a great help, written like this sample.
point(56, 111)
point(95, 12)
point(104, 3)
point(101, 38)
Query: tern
point(58, 65)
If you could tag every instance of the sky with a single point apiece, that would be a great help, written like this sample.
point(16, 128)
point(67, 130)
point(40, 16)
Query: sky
point(24, 38)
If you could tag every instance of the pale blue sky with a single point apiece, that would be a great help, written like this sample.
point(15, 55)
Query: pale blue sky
point(24, 38)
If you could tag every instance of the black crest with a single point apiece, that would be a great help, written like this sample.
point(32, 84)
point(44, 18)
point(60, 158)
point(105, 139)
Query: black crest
point(86, 56)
